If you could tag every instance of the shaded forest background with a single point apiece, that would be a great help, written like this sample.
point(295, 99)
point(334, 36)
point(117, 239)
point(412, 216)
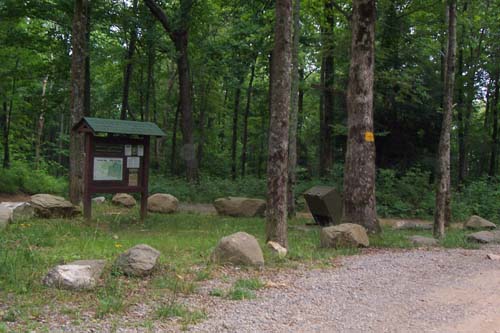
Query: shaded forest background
point(132, 74)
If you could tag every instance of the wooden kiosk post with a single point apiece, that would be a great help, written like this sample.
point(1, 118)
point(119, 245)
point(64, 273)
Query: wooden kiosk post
point(116, 158)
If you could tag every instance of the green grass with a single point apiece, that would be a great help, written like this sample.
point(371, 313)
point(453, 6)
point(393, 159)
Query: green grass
point(176, 310)
point(29, 249)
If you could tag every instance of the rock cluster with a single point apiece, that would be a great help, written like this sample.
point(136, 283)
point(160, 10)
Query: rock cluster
point(344, 235)
point(52, 206)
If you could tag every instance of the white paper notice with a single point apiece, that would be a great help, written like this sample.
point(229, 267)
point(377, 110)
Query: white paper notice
point(128, 150)
point(140, 150)
point(133, 162)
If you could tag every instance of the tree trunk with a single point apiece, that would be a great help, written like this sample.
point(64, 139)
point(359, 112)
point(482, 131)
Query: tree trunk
point(443, 192)
point(277, 171)
point(87, 63)
point(294, 109)
point(359, 170)
point(245, 120)
point(174, 139)
point(77, 100)
point(326, 121)
point(234, 139)
point(494, 135)
point(41, 122)
point(203, 120)
point(127, 76)
point(5, 136)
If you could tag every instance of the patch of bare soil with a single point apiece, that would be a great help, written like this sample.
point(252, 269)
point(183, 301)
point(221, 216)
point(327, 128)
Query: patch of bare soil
point(21, 197)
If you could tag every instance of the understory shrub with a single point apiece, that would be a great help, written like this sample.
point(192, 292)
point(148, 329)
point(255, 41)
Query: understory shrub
point(21, 177)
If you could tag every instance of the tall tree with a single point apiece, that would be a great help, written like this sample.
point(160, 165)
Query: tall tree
point(294, 110)
point(359, 169)
point(443, 192)
point(127, 72)
point(494, 135)
point(77, 100)
point(277, 173)
point(179, 34)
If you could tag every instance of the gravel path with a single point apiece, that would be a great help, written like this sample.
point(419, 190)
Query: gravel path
point(385, 291)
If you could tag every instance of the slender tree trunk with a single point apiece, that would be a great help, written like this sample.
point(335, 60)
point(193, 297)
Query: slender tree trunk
point(77, 100)
point(294, 109)
point(234, 139)
point(359, 170)
point(277, 171)
point(174, 139)
point(203, 120)
point(461, 105)
point(87, 63)
point(5, 136)
point(127, 76)
point(245, 120)
point(41, 122)
point(60, 139)
point(326, 121)
point(494, 135)
point(443, 192)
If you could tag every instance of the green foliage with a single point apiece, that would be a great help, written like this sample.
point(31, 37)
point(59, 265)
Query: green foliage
point(250, 284)
point(110, 299)
point(239, 294)
point(187, 316)
point(22, 178)
point(216, 292)
point(480, 197)
point(174, 283)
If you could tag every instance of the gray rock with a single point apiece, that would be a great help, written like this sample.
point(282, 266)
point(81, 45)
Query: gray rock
point(344, 235)
point(484, 237)
point(423, 241)
point(20, 210)
point(240, 207)
point(276, 248)
point(238, 249)
point(99, 200)
point(139, 260)
point(123, 199)
point(163, 203)
point(52, 206)
point(77, 275)
point(5, 217)
point(477, 222)
point(411, 225)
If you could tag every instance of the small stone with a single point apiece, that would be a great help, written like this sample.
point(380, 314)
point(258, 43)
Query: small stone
point(123, 199)
point(163, 203)
point(344, 235)
point(139, 260)
point(240, 207)
point(99, 200)
point(277, 249)
point(492, 256)
point(477, 222)
point(423, 241)
point(238, 249)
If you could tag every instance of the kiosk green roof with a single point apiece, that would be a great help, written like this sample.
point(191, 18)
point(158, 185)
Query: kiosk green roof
point(115, 126)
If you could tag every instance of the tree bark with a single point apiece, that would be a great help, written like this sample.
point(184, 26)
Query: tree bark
point(127, 75)
point(41, 122)
point(174, 139)
point(179, 37)
point(494, 136)
point(234, 139)
point(359, 170)
point(443, 192)
point(87, 111)
point(294, 109)
point(326, 121)
point(245, 120)
point(77, 100)
point(277, 173)
point(203, 120)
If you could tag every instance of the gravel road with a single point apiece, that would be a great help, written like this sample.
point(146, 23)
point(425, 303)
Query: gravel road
point(383, 291)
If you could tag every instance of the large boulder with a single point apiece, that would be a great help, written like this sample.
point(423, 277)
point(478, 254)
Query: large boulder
point(77, 275)
point(344, 235)
point(238, 249)
point(139, 260)
point(240, 207)
point(123, 199)
point(52, 206)
point(477, 222)
point(484, 237)
point(5, 216)
point(163, 203)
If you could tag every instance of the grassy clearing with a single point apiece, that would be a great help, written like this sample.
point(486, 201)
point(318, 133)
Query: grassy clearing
point(30, 249)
